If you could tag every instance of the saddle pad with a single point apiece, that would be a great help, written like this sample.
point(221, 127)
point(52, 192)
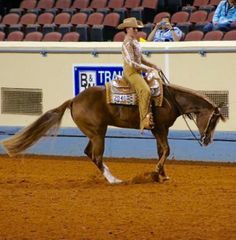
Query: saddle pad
point(119, 96)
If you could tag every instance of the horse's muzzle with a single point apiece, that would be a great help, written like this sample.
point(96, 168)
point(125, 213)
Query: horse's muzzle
point(205, 140)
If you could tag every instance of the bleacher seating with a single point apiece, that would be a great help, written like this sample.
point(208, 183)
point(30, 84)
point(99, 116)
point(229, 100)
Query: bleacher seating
point(213, 36)
point(195, 6)
point(86, 19)
point(194, 36)
point(33, 36)
point(195, 17)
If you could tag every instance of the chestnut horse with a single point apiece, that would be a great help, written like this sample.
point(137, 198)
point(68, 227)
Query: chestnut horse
point(92, 115)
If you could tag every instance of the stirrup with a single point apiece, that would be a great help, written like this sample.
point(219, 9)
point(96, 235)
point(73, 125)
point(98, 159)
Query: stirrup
point(148, 122)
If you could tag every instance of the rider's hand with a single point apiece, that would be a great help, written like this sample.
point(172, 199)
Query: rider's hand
point(150, 69)
point(157, 68)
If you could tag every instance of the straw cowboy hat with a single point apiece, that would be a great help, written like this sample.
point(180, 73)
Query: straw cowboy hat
point(130, 22)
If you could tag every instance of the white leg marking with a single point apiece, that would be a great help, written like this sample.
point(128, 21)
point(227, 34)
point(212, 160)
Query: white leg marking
point(110, 178)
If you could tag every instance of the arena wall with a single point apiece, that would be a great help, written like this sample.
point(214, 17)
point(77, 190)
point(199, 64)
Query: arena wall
point(48, 68)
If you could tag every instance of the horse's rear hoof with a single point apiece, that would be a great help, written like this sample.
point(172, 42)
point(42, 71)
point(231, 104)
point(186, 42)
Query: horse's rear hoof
point(116, 181)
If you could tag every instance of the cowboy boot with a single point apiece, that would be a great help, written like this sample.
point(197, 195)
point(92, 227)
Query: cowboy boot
point(148, 121)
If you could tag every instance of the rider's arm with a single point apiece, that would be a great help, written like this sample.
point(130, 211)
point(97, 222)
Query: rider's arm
point(129, 57)
point(149, 64)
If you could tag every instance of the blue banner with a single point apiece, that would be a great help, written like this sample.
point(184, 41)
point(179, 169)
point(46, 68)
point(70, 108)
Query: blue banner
point(86, 76)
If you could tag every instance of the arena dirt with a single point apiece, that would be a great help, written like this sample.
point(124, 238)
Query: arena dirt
point(67, 198)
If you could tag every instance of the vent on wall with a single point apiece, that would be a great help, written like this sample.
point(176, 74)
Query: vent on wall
point(21, 101)
point(219, 97)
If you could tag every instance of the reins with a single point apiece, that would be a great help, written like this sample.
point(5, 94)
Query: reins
point(166, 83)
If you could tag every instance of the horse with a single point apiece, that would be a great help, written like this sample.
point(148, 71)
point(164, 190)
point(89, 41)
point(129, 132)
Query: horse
point(92, 115)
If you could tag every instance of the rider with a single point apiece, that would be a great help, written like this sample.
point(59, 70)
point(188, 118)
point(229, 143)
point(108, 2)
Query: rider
point(134, 65)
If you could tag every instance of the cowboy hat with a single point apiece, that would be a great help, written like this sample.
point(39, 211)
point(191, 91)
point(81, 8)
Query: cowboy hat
point(129, 23)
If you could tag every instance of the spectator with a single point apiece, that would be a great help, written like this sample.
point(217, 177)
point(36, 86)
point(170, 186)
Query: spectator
point(224, 15)
point(165, 32)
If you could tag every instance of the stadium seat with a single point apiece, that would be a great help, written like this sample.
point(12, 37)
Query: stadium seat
point(79, 18)
point(200, 25)
point(59, 6)
point(211, 6)
point(195, 6)
point(62, 4)
point(106, 30)
point(213, 36)
point(76, 19)
point(95, 18)
point(160, 15)
point(79, 4)
point(26, 19)
point(2, 36)
point(194, 36)
point(71, 37)
point(230, 35)
point(146, 11)
point(33, 36)
point(119, 37)
point(195, 17)
point(15, 36)
point(125, 10)
point(9, 19)
point(24, 6)
point(60, 18)
point(43, 18)
point(111, 5)
point(52, 37)
point(45, 4)
point(94, 6)
point(179, 17)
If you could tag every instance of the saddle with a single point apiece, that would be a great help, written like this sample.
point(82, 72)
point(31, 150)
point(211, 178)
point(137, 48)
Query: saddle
point(119, 91)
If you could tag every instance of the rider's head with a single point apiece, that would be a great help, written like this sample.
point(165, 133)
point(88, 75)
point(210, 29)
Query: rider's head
point(130, 25)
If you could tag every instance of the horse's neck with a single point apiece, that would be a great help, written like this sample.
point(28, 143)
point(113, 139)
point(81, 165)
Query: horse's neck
point(190, 101)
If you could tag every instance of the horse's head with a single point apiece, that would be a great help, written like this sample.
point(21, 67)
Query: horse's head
point(206, 121)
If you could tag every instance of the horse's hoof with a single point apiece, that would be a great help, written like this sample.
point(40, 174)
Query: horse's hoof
point(166, 178)
point(116, 181)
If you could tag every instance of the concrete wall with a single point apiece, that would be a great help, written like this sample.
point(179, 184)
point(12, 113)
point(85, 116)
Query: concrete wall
point(53, 73)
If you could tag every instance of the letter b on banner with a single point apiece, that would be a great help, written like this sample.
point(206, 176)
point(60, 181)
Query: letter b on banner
point(86, 76)
point(87, 79)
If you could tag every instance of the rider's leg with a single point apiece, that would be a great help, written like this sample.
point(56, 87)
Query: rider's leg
point(144, 95)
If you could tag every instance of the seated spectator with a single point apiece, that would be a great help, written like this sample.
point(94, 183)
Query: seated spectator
point(224, 15)
point(165, 32)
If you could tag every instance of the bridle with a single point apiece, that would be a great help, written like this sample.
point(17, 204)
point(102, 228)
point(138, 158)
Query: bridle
point(214, 113)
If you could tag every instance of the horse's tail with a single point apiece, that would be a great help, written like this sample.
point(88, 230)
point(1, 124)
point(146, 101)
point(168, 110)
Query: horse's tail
point(31, 134)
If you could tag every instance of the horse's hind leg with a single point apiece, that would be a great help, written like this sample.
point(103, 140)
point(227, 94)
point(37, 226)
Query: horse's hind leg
point(95, 150)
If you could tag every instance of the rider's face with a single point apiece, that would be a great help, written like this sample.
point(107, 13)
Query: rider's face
point(132, 31)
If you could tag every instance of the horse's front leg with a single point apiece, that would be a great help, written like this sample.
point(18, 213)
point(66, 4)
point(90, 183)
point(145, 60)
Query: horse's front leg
point(163, 150)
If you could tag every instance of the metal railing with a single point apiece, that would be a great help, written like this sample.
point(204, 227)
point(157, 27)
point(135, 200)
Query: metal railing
point(96, 51)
